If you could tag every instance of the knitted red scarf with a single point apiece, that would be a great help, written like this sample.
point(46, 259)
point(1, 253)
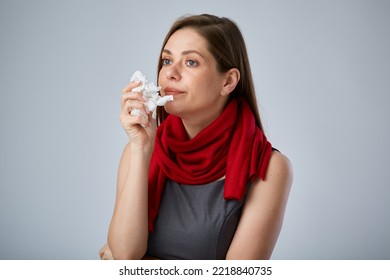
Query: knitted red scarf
point(231, 146)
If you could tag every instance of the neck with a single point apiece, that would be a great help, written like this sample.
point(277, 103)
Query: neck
point(194, 125)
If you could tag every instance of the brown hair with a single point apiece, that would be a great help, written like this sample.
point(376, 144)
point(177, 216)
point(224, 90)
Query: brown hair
point(226, 44)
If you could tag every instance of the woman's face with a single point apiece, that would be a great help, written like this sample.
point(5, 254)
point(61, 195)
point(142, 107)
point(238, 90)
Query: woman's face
point(189, 73)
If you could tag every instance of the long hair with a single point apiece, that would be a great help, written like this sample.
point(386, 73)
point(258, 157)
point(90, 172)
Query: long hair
point(227, 45)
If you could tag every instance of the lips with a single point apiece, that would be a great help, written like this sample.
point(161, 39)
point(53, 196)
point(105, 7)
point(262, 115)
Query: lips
point(172, 91)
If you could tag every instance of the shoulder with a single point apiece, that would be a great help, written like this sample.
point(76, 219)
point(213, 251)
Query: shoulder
point(278, 178)
point(279, 167)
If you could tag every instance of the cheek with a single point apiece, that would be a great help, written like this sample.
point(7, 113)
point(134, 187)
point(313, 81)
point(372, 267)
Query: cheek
point(210, 87)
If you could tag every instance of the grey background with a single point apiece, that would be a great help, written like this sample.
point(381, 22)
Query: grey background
point(321, 70)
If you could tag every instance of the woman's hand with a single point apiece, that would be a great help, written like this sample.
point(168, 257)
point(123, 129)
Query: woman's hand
point(105, 253)
point(141, 130)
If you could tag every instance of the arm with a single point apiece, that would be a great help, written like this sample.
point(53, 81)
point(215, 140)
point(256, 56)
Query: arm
point(128, 232)
point(262, 215)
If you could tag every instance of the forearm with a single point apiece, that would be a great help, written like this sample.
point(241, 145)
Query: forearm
point(128, 233)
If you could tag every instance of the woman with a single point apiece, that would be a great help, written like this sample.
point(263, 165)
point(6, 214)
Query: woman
point(205, 184)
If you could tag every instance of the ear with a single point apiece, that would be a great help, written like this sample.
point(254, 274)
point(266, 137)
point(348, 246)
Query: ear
point(232, 77)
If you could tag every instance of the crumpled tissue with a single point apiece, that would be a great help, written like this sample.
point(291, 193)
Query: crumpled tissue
point(150, 91)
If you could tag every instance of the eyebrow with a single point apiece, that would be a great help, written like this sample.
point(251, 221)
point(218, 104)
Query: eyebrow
point(184, 52)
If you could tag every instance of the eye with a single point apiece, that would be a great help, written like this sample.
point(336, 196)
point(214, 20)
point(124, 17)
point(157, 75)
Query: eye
point(191, 63)
point(166, 61)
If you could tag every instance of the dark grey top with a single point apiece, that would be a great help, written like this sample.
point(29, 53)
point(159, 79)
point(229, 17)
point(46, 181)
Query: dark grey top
point(194, 222)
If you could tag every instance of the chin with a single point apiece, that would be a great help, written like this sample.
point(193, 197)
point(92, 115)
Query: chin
point(170, 108)
point(173, 108)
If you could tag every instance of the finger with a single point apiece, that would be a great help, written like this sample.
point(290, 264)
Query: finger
point(101, 251)
point(133, 96)
point(128, 121)
point(153, 122)
point(107, 256)
point(134, 104)
point(130, 86)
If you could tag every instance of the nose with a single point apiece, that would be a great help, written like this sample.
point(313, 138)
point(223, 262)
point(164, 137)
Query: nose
point(172, 72)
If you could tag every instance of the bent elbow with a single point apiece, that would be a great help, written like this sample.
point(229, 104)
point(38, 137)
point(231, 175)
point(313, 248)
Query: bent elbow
point(123, 253)
point(130, 255)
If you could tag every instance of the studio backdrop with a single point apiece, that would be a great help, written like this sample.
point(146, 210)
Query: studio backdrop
point(321, 71)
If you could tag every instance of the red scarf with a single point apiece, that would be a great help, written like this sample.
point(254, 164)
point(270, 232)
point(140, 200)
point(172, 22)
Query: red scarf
point(231, 146)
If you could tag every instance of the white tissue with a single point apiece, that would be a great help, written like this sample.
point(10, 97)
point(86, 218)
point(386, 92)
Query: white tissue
point(150, 91)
